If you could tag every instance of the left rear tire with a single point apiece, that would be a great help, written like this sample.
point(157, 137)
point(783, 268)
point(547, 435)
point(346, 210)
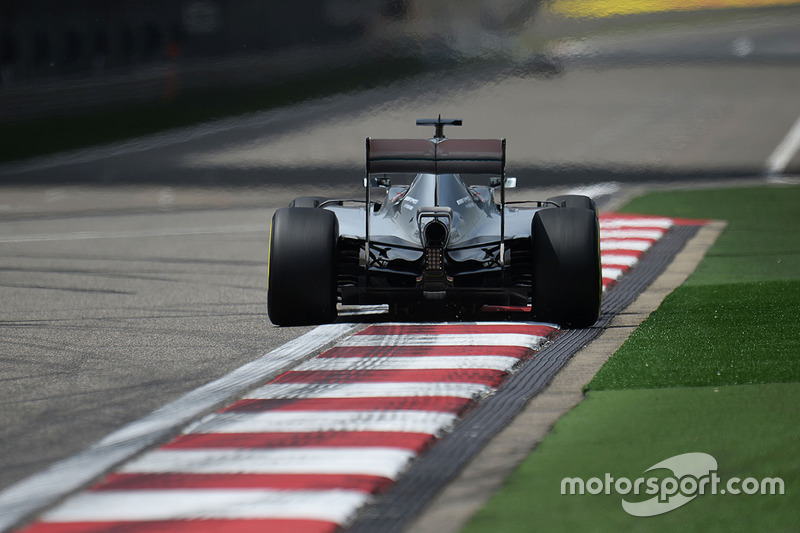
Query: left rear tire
point(301, 276)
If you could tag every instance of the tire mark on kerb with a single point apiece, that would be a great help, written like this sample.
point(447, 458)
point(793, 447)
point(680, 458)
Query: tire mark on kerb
point(43, 489)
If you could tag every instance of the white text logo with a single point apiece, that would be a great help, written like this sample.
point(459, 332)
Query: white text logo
point(693, 474)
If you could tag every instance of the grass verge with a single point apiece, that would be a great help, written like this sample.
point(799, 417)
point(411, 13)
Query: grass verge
point(713, 370)
point(625, 432)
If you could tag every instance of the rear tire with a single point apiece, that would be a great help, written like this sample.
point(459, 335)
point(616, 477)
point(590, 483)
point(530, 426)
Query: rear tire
point(567, 283)
point(574, 200)
point(301, 276)
point(307, 201)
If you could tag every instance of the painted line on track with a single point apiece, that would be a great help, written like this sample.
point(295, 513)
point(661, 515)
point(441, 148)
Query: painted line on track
point(131, 234)
point(783, 153)
point(261, 461)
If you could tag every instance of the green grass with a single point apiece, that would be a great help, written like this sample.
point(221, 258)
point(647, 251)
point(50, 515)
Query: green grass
point(761, 242)
point(735, 319)
point(35, 137)
point(713, 335)
point(626, 432)
point(715, 369)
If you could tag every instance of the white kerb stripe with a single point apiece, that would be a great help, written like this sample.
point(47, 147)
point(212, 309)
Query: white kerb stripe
point(625, 244)
point(611, 223)
point(612, 273)
point(369, 390)
point(371, 461)
point(408, 421)
point(619, 259)
point(492, 362)
point(632, 234)
point(331, 505)
point(466, 339)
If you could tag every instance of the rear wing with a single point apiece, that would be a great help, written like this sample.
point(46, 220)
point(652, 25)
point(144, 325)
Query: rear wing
point(436, 156)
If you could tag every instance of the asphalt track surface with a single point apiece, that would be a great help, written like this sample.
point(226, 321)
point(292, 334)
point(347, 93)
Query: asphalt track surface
point(134, 274)
point(306, 449)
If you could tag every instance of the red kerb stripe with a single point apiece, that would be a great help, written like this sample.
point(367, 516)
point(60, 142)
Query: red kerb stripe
point(622, 251)
point(394, 439)
point(422, 351)
point(447, 404)
point(481, 376)
point(362, 483)
point(454, 329)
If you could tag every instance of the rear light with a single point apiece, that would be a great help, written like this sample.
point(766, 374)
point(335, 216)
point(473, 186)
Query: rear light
point(434, 228)
point(433, 259)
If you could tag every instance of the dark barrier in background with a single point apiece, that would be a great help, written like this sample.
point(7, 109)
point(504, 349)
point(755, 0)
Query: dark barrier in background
point(70, 55)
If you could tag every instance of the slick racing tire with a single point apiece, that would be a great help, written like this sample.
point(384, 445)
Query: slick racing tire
point(567, 283)
point(311, 201)
point(307, 201)
point(301, 274)
point(574, 200)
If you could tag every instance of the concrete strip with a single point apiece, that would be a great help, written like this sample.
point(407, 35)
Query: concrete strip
point(485, 474)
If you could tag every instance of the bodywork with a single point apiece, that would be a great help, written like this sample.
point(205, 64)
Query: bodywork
point(438, 238)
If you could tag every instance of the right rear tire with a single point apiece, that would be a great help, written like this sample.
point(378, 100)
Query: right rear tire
point(574, 200)
point(567, 283)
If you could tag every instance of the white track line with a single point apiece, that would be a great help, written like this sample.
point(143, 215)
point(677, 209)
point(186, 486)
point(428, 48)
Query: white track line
point(42, 489)
point(777, 161)
point(91, 235)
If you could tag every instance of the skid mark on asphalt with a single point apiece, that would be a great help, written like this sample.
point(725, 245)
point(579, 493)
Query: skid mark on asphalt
point(305, 451)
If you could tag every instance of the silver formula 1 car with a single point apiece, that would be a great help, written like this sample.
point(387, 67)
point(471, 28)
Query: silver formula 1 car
point(436, 243)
